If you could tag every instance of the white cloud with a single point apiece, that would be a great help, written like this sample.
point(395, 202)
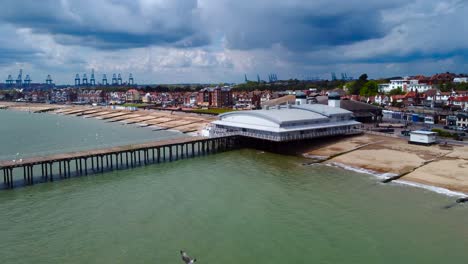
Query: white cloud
point(220, 40)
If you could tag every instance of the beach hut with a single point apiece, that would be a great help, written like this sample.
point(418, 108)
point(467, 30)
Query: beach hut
point(422, 137)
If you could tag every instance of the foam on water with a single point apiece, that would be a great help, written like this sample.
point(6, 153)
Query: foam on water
point(382, 176)
point(361, 170)
point(432, 188)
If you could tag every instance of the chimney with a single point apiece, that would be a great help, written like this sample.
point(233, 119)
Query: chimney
point(334, 100)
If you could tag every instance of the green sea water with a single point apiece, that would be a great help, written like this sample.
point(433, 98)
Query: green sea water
point(242, 206)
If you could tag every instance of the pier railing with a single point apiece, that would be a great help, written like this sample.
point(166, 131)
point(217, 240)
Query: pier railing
point(288, 137)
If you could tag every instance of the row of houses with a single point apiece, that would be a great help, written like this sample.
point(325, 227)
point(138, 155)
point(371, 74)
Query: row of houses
point(421, 83)
point(431, 98)
point(406, 84)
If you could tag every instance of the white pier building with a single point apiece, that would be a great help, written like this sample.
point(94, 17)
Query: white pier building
point(287, 122)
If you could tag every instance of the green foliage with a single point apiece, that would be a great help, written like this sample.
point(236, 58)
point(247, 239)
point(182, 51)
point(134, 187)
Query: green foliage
point(396, 91)
point(292, 84)
point(461, 87)
point(212, 111)
point(370, 88)
point(363, 77)
point(357, 85)
point(134, 105)
point(443, 133)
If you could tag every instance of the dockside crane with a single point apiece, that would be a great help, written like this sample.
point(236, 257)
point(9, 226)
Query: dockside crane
point(85, 79)
point(92, 80)
point(104, 79)
point(77, 80)
point(119, 79)
point(114, 79)
point(49, 80)
point(19, 80)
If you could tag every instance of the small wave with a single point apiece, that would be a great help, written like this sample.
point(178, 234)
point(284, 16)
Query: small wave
point(315, 157)
point(361, 170)
point(435, 189)
point(439, 190)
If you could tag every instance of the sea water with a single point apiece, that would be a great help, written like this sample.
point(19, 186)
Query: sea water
point(242, 206)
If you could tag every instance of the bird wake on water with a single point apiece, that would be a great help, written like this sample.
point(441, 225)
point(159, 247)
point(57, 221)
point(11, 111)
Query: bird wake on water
point(186, 258)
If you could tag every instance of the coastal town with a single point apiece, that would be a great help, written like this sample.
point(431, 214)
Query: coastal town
point(441, 99)
point(378, 115)
point(232, 131)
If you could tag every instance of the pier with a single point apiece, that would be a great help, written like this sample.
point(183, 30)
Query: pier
point(62, 166)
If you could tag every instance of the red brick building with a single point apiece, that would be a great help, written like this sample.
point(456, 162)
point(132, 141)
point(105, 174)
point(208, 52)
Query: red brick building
point(215, 97)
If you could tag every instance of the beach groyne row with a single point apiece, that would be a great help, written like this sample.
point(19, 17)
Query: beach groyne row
point(184, 123)
point(188, 123)
point(49, 168)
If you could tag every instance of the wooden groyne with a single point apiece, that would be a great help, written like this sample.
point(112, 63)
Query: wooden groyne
point(115, 158)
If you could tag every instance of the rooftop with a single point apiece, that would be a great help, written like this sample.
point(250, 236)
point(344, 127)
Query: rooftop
point(422, 132)
point(281, 116)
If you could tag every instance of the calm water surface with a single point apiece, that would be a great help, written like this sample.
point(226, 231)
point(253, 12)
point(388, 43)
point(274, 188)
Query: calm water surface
point(24, 134)
point(236, 207)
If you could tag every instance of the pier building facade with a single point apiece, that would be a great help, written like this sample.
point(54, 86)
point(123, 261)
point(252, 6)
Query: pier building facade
point(286, 123)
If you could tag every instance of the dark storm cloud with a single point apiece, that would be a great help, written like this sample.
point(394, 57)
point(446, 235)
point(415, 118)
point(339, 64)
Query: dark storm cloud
point(298, 25)
point(294, 34)
point(110, 24)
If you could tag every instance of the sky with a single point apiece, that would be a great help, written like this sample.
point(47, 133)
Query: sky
point(212, 41)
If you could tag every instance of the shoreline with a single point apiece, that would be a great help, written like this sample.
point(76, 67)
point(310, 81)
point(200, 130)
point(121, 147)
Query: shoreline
point(189, 124)
point(432, 168)
point(429, 167)
point(436, 189)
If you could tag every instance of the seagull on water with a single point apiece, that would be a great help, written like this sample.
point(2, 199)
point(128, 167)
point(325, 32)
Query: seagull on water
point(186, 258)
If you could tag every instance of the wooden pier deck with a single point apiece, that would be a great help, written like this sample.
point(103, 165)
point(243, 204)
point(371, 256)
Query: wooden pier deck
point(100, 160)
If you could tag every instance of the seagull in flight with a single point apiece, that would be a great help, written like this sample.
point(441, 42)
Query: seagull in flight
point(186, 258)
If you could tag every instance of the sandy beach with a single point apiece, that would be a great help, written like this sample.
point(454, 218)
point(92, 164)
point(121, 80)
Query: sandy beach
point(445, 167)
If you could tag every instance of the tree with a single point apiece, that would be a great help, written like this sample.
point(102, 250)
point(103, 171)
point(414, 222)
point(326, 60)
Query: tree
point(396, 91)
point(363, 77)
point(356, 87)
point(371, 88)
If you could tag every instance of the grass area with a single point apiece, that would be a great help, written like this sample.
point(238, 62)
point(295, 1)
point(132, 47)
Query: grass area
point(446, 134)
point(216, 111)
point(134, 105)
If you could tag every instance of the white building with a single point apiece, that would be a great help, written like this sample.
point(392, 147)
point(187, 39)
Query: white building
point(460, 80)
point(462, 120)
point(286, 123)
point(423, 137)
point(382, 99)
point(405, 85)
